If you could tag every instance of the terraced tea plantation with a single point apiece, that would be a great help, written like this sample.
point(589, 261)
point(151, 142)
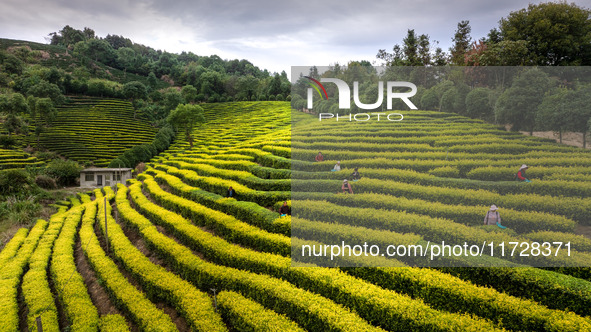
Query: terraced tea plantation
point(95, 130)
point(17, 159)
point(171, 252)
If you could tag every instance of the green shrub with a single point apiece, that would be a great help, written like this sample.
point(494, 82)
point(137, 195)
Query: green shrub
point(65, 172)
point(7, 141)
point(14, 181)
point(45, 182)
point(429, 100)
point(117, 163)
point(141, 153)
point(46, 155)
point(160, 144)
point(130, 157)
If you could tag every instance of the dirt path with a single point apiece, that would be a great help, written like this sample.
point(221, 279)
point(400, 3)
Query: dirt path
point(573, 139)
point(141, 245)
point(583, 230)
point(98, 294)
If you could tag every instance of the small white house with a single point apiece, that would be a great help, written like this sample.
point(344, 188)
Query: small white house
point(100, 177)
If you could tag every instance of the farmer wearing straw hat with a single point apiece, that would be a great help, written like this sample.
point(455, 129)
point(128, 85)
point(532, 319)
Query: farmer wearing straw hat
point(337, 167)
point(492, 216)
point(521, 173)
point(346, 187)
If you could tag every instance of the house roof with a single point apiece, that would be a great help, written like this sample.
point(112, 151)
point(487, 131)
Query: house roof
point(98, 169)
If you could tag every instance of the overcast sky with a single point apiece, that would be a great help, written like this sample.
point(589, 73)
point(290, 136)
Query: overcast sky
point(272, 34)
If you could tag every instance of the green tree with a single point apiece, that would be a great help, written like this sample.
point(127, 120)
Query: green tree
point(133, 91)
point(439, 57)
point(506, 53)
point(247, 86)
point(11, 64)
point(184, 117)
point(478, 104)
point(126, 58)
point(43, 112)
point(556, 33)
point(13, 181)
point(275, 85)
point(46, 110)
point(152, 80)
point(65, 172)
point(450, 101)
point(551, 112)
point(577, 111)
point(461, 43)
point(67, 36)
point(396, 58)
point(14, 105)
point(410, 49)
point(424, 50)
point(45, 89)
point(212, 83)
point(518, 105)
point(172, 98)
point(429, 100)
point(189, 93)
point(97, 49)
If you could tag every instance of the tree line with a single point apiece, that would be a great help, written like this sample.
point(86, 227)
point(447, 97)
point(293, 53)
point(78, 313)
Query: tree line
point(544, 34)
point(213, 78)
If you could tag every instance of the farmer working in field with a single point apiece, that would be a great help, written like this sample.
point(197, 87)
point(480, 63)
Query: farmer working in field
point(521, 173)
point(346, 187)
point(493, 217)
point(337, 167)
point(319, 157)
point(356, 176)
point(284, 210)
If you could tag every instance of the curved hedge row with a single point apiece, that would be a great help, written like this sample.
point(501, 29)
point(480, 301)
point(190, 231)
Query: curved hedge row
point(123, 294)
point(246, 315)
point(194, 305)
point(10, 278)
point(73, 296)
point(94, 130)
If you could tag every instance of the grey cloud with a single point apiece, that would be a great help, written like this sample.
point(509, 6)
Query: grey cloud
point(272, 34)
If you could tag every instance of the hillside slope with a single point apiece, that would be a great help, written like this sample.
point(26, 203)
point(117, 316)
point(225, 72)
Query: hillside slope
point(94, 130)
point(182, 256)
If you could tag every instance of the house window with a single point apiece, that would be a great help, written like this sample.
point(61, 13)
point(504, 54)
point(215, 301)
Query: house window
point(89, 177)
point(116, 176)
point(107, 177)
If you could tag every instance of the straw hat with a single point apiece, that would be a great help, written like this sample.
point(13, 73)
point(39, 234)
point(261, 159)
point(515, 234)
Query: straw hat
point(345, 181)
point(493, 207)
point(523, 166)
